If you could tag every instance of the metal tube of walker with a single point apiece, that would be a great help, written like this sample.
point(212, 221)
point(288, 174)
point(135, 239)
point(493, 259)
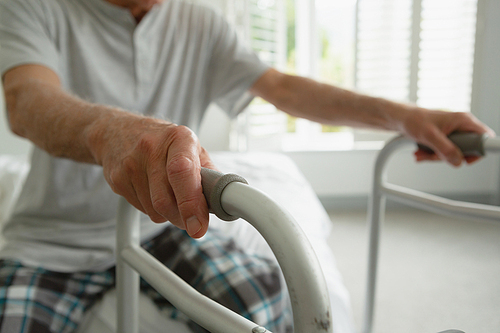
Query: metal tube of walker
point(474, 144)
point(305, 280)
point(306, 283)
point(127, 279)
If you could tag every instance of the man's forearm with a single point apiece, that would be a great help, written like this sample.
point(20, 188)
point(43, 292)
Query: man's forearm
point(327, 104)
point(306, 98)
point(59, 123)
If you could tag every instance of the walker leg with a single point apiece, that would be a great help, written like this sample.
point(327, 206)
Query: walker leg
point(127, 279)
point(375, 217)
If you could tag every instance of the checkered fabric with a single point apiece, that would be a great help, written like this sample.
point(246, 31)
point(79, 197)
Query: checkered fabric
point(38, 300)
point(33, 299)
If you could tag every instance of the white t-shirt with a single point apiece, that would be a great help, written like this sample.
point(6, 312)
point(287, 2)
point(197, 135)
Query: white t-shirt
point(172, 65)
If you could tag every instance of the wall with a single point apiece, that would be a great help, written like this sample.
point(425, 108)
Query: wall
point(486, 97)
point(215, 129)
point(343, 179)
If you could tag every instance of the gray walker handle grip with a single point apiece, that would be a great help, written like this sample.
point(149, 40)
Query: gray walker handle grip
point(471, 144)
point(214, 183)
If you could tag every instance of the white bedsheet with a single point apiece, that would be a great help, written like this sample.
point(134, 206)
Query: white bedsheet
point(274, 174)
point(13, 171)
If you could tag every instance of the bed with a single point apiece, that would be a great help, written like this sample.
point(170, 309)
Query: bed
point(272, 173)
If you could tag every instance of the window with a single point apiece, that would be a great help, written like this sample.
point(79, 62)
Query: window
point(420, 51)
point(446, 54)
point(407, 50)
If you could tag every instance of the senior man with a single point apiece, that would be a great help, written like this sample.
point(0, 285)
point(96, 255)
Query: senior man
point(111, 93)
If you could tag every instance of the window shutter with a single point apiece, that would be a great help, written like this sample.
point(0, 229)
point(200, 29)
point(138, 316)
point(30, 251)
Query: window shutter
point(446, 54)
point(383, 48)
point(267, 30)
point(261, 126)
point(442, 51)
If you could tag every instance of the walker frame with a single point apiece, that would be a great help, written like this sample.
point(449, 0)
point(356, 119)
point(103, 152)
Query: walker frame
point(382, 190)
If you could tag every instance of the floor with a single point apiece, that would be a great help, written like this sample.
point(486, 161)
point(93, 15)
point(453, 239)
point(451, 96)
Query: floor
point(436, 273)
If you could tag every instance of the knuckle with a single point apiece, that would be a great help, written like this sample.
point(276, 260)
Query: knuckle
point(163, 205)
point(129, 165)
point(182, 132)
point(114, 180)
point(431, 133)
point(203, 151)
point(179, 166)
point(147, 144)
point(449, 152)
point(183, 135)
point(465, 116)
point(188, 204)
point(157, 218)
point(427, 134)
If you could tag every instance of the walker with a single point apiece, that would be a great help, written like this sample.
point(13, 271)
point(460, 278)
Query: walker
point(229, 197)
point(470, 144)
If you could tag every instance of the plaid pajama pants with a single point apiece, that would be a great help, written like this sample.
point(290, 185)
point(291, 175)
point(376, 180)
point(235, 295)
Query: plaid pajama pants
point(33, 299)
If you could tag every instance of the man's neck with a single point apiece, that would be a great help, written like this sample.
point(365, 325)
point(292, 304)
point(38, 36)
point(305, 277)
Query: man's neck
point(137, 8)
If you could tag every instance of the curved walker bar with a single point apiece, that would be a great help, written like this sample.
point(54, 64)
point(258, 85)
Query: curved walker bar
point(229, 198)
point(382, 190)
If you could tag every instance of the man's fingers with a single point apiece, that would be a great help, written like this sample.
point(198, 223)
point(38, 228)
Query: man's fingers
point(443, 147)
point(142, 190)
point(472, 159)
point(205, 160)
point(467, 122)
point(131, 182)
point(463, 122)
point(133, 170)
point(431, 128)
point(183, 172)
point(422, 155)
point(122, 186)
point(185, 179)
point(162, 196)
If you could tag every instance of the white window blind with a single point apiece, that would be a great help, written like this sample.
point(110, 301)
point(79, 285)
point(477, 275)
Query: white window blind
point(384, 48)
point(446, 54)
point(261, 126)
point(420, 51)
point(267, 34)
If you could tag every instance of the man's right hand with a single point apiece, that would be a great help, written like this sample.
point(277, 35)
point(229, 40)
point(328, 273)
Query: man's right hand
point(154, 164)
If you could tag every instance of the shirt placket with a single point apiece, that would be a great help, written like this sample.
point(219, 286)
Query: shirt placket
point(143, 65)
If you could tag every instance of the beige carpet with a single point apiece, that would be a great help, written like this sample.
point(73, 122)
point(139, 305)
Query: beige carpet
point(436, 273)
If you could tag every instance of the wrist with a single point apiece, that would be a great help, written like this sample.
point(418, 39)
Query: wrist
point(103, 130)
point(397, 116)
point(115, 131)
